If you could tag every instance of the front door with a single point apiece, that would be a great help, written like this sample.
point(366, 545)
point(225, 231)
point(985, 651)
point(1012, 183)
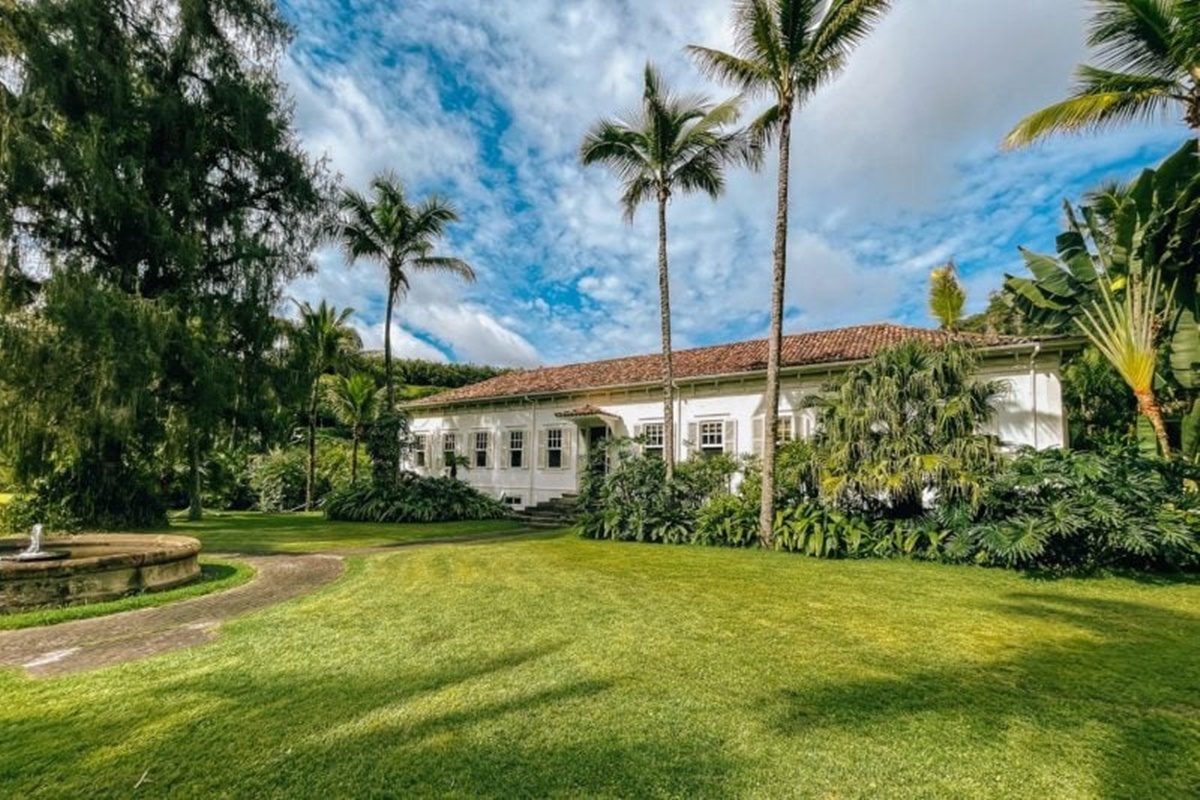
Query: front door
point(596, 436)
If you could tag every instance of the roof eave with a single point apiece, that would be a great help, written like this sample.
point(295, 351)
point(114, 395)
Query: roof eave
point(1042, 345)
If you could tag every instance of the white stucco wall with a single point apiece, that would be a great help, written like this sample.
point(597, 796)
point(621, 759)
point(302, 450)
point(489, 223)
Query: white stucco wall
point(1029, 413)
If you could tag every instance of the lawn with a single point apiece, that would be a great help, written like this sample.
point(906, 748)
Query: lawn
point(253, 533)
point(558, 666)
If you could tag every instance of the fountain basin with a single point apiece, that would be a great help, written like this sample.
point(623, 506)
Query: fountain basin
point(94, 568)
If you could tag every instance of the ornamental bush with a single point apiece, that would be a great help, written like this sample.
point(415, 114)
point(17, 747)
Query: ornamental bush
point(412, 498)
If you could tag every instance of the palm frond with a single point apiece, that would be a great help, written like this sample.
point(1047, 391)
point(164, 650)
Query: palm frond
point(1134, 36)
point(449, 266)
point(1090, 112)
point(748, 77)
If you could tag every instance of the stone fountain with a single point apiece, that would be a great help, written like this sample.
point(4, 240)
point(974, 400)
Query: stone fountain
point(34, 551)
point(92, 567)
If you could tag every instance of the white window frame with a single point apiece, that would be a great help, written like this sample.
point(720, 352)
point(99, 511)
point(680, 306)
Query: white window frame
point(450, 437)
point(478, 436)
point(421, 450)
point(653, 435)
point(564, 448)
point(706, 429)
point(509, 450)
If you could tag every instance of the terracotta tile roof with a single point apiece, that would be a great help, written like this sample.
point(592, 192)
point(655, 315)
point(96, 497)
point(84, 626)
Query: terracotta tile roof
point(818, 347)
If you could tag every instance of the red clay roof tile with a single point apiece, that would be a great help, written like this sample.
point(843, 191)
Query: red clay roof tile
point(819, 347)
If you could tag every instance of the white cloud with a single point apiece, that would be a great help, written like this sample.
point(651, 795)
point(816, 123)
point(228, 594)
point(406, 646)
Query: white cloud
point(894, 169)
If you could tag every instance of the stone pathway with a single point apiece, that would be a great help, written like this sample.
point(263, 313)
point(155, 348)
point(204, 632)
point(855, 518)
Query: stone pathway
point(99, 642)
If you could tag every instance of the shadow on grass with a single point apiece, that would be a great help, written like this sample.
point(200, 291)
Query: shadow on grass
point(210, 733)
point(1132, 668)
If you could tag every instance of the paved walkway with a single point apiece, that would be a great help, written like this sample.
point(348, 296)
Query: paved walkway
point(101, 641)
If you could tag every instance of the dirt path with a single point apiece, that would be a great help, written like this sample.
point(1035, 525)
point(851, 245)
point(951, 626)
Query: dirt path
point(91, 643)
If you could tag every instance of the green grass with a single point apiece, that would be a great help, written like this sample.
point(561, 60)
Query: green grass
point(563, 667)
point(253, 533)
point(214, 576)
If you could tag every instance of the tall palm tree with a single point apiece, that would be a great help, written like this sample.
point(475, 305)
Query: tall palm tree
point(785, 50)
point(355, 401)
point(400, 235)
point(671, 145)
point(1148, 52)
point(323, 342)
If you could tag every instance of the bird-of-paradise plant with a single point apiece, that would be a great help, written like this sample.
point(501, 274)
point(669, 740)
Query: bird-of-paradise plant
point(1125, 331)
point(785, 50)
point(388, 229)
point(323, 342)
point(1148, 64)
point(672, 144)
point(354, 399)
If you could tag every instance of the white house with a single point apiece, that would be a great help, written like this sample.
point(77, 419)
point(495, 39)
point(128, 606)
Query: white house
point(525, 435)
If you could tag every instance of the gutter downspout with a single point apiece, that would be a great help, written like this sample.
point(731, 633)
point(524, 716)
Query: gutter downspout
point(1037, 349)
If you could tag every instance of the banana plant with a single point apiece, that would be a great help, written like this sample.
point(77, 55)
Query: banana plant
point(1123, 236)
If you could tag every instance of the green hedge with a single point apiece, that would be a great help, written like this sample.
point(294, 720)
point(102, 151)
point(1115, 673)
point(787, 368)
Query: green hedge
point(412, 499)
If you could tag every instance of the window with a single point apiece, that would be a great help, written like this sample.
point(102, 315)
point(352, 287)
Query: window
point(449, 448)
point(652, 433)
point(511, 500)
point(554, 448)
point(482, 448)
point(786, 430)
point(712, 437)
point(786, 433)
point(420, 447)
point(516, 449)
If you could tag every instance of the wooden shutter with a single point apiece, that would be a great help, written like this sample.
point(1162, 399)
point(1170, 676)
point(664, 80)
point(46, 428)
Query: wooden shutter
point(541, 449)
point(757, 430)
point(693, 437)
point(435, 455)
point(505, 439)
point(568, 436)
point(731, 436)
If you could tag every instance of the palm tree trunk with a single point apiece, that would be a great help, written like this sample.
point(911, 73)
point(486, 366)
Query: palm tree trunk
point(387, 344)
point(766, 518)
point(312, 450)
point(664, 301)
point(1148, 405)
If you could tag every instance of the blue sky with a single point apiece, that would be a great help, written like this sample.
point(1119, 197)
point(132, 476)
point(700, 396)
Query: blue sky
point(895, 168)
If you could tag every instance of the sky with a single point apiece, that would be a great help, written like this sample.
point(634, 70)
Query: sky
point(895, 168)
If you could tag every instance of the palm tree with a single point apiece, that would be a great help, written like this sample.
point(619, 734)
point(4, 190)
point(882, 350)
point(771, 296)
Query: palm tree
point(355, 401)
point(946, 296)
point(1149, 63)
point(785, 50)
point(671, 145)
point(400, 235)
point(322, 341)
point(1126, 334)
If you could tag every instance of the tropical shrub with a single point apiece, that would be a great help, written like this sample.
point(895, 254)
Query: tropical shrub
point(634, 501)
point(412, 498)
point(906, 426)
point(278, 477)
point(1089, 510)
